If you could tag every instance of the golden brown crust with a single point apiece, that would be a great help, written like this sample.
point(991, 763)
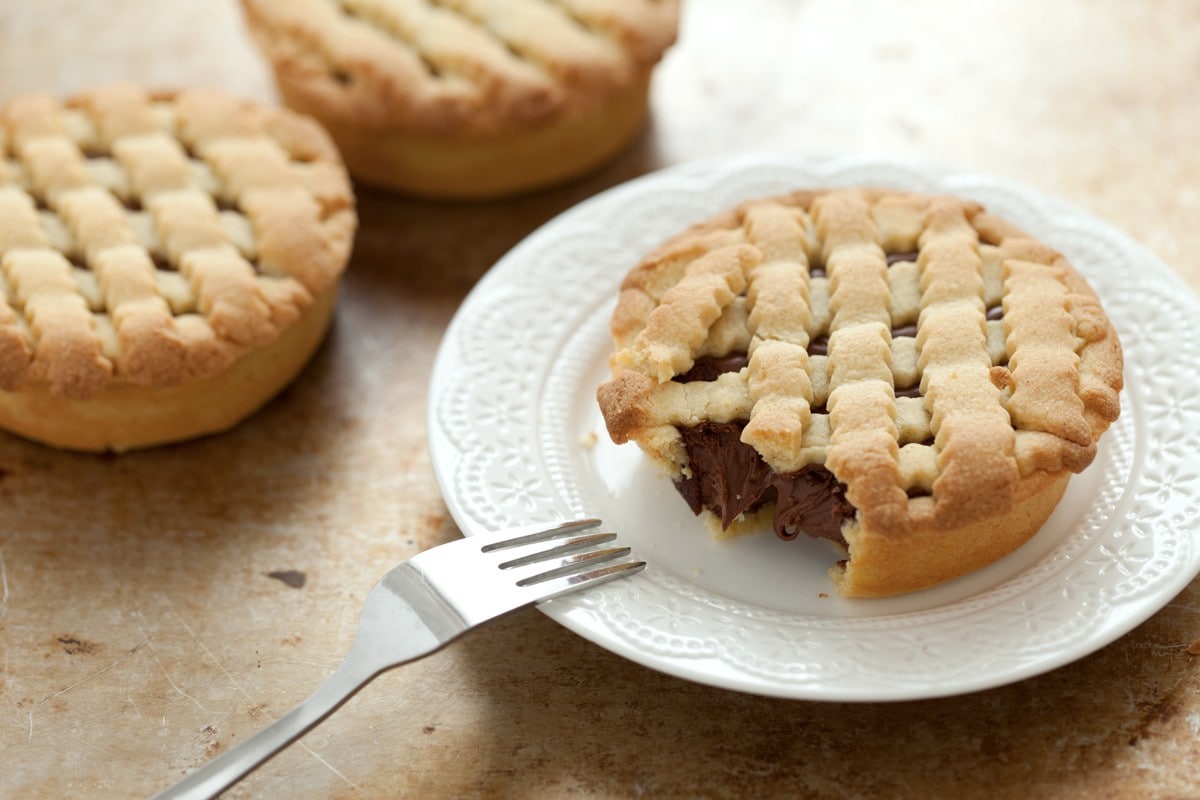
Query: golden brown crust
point(460, 66)
point(1006, 407)
point(156, 238)
point(468, 98)
point(478, 167)
point(884, 563)
point(149, 241)
point(126, 416)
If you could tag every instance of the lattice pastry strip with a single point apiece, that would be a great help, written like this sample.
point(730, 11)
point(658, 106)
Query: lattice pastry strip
point(778, 369)
point(117, 114)
point(864, 438)
point(69, 353)
point(54, 166)
point(145, 327)
point(155, 163)
point(1042, 354)
point(918, 371)
point(470, 62)
point(676, 329)
point(194, 228)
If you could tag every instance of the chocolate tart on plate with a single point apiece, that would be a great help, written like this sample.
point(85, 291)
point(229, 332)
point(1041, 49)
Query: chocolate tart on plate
point(909, 376)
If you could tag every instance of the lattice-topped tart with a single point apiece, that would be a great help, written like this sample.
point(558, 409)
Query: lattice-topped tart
point(168, 262)
point(906, 375)
point(468, 98)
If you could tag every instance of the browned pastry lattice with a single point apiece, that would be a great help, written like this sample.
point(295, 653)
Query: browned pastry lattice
point(468, 98)
point(949, 371)
point(155, 238)
point(454, 65)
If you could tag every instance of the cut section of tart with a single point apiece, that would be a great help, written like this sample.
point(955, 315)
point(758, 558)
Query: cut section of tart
point(168, 262)
point(468, 98)
point(906, 375)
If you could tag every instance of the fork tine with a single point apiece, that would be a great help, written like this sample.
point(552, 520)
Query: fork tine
point(532, 534)
point(574, 564)
point(466, 578)
point(567, 583)
point(569, 546)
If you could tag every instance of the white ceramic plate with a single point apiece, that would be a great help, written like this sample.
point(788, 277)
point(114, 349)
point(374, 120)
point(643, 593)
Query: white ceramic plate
point(516, 437)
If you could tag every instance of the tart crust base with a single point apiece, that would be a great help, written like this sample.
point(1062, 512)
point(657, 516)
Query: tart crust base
point(127, 416)
point(886, 563)
point(480, 166)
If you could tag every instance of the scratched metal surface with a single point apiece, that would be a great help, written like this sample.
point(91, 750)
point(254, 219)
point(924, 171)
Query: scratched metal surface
point(156, 607)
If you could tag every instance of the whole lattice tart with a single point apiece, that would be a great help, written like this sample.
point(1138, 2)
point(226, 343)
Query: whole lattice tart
point(468, 98)
point(908, 376)
point(168, 262)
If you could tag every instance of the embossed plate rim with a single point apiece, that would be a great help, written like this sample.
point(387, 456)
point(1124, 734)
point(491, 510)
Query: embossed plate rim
point(499, 465)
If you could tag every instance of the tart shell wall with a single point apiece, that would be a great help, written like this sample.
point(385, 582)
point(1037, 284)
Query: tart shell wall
point(468, 99)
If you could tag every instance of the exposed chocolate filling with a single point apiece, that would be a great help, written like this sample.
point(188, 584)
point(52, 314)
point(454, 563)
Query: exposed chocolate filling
point(819, 345)
point(710, 367)
point(729, 477)
point(995, 313)
point(895, 258)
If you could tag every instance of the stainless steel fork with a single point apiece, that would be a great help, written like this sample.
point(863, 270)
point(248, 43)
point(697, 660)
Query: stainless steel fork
point(424, 603)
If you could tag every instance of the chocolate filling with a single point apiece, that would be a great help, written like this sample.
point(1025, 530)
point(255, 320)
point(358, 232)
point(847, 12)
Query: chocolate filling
point(896, 258)
point(729, 478)
point(709, 367)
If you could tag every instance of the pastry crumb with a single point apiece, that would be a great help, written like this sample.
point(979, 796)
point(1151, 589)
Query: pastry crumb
point(823, 595)
point(1194, 650)
point(588, 440)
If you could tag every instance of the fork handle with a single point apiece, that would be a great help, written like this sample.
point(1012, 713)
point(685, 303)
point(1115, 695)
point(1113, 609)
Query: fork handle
point(223, 771)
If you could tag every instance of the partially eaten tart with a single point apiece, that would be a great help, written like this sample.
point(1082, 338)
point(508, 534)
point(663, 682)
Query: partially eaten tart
point(168, 262)
point(468, 98)
point(906, 375)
